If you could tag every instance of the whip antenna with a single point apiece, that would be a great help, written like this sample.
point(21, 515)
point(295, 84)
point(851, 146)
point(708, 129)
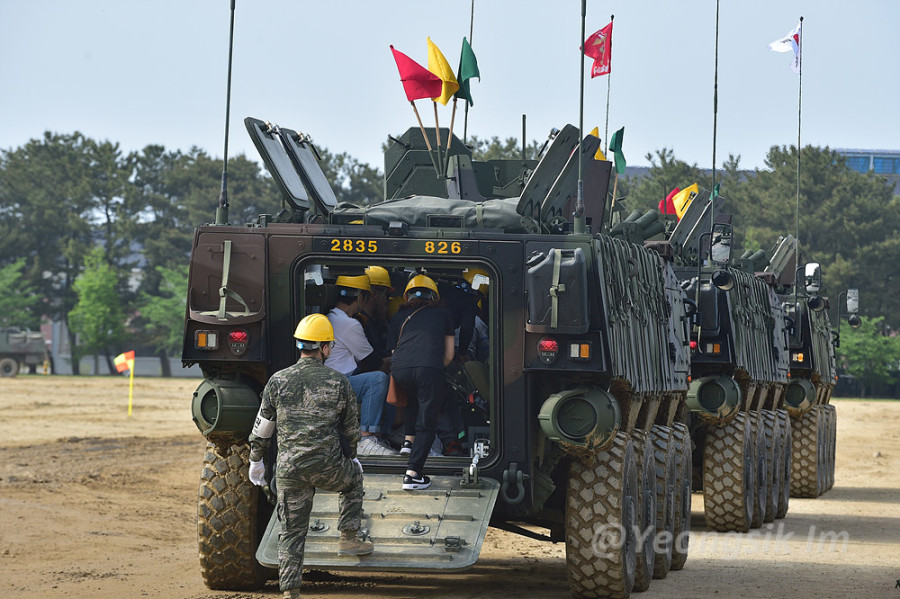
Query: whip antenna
point(222, 207)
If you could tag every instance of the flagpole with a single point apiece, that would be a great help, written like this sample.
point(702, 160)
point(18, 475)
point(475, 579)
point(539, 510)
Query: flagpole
point(446, 163)
point(578, 216)
point(452, 120)
point(466, 120)
point(608, 86)
point(427, 143)
point(437, 136)
point(799, 113)
point(130, 388)
point(712, 196)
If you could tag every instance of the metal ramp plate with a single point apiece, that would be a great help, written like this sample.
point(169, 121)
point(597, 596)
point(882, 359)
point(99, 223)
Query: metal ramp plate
point(439, 529)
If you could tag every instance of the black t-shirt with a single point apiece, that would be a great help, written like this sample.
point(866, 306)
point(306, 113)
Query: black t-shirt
point(422, 343)
point(463, 305)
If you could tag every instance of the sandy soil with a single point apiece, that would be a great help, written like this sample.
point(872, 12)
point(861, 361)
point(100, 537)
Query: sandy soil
point(94, 503)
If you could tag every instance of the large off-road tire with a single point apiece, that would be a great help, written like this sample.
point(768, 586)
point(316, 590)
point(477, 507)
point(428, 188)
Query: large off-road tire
point(784, 488)
point(823, 443)
point(646, 509)
point(806, 476)
point(759, 457)
point(683, 467)
point(227, 522)
point(9, 367)
point(729, 473)
point(664, 459)
point(831, 436)
point(773, 450)
point(601, 501)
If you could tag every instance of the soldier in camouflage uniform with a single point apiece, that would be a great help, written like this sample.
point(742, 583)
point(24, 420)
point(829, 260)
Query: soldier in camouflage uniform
point(316, 410)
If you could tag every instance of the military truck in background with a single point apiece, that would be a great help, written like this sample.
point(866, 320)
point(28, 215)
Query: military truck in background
point(581, 431)
point(20, 348)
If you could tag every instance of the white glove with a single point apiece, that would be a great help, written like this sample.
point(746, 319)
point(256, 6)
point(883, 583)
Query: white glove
point(357, 462)
point(258, 473)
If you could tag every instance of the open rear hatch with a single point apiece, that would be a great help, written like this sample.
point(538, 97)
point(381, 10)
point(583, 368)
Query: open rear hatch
point(438, 529)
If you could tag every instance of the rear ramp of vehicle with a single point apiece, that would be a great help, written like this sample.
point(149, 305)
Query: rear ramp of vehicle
point(439, 529)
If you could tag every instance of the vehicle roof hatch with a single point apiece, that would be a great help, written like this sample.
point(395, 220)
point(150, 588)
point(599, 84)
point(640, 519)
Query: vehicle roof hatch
point(268, 143)
point(306, 161)
point(547, 171)
point(293, 162)
point(438, 529)
point(566, 185)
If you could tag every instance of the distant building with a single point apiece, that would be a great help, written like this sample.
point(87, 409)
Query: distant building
point(885, 163)
point(879, 162)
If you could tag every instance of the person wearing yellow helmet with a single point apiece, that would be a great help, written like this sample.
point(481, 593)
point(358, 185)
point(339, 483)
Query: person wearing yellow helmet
point(420, 335)
point(304, 400)
point(355, 357)
point(314, 332)
point(373, 308)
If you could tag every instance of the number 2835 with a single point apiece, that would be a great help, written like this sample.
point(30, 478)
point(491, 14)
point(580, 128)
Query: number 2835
point(354, 245)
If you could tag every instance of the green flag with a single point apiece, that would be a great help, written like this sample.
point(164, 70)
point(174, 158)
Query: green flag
point(615, 146)
point(468, 68)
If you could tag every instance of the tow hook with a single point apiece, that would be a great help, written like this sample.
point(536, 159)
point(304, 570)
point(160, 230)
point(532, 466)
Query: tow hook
point(513, 475)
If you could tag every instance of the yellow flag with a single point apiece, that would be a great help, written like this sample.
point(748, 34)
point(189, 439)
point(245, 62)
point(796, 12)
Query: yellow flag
point(683, 199)
point(598, 155)
point(438, 65)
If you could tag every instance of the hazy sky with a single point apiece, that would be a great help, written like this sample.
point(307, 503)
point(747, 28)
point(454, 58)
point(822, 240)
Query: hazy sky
point(142, 72)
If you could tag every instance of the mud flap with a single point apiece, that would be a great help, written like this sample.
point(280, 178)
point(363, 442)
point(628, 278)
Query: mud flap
point(438, 529)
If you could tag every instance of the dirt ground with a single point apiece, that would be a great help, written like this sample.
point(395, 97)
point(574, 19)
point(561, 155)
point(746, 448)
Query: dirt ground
point(94, 503)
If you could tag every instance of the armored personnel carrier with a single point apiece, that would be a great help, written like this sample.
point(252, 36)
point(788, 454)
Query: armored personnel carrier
point(20, 348)
point(574, 425)
point(813, 371)
point(739, 366)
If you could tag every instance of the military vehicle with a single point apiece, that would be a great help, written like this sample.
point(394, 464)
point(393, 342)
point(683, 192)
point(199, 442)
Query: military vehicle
point(576, 427)
point(813, 370)
point(20, 348)
point(739, 366)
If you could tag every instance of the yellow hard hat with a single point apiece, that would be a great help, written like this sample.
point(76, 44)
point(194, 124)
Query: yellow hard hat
point(360, 282)
point(312, 330)
point(421, 282)
point(378, 275)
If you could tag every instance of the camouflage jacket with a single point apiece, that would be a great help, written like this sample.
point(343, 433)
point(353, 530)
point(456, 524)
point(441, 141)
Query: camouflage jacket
point(313, 407)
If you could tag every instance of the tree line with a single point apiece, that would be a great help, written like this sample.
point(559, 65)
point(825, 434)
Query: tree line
point(99, 239)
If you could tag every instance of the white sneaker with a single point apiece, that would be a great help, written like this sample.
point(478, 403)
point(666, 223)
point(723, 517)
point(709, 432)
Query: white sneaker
point(370, 446)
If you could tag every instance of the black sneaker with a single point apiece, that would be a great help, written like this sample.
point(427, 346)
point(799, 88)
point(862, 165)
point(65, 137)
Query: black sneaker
point(406, 448)
point(415, 483)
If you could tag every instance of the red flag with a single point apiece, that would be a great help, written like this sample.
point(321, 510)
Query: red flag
point(599, 47)
point(667, 205)
point(418, 82)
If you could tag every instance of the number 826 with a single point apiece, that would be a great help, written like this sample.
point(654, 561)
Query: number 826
point(442, 247)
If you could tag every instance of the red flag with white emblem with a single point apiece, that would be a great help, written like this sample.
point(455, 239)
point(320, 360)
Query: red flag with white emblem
point(599, 47)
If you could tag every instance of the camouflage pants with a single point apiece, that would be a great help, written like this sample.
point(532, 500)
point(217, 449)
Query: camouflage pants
point(295, 498)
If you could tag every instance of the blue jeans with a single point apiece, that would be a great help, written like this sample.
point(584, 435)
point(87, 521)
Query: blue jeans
point(371, 390)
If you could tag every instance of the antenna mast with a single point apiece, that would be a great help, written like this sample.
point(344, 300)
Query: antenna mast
point(222, 207)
